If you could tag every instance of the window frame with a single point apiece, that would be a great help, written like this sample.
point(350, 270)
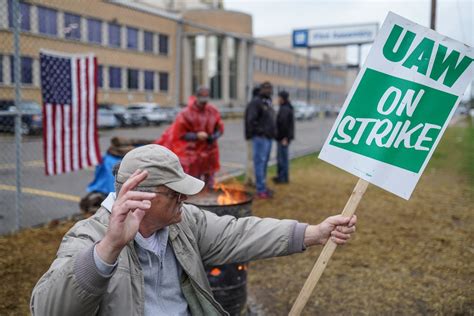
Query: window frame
point(77, 30)
point(91, 22)
point(52, 23)
point(111, 78)
point(110, 29)
point(151, 49)
point(136, 73)
point(131, 30)
point(163, 49)
point(161, 83)
point(145, 77)
point(23, 69)
point(25, 24)
point(100, 76)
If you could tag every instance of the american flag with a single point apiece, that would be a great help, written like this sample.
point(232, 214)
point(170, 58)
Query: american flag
point(69, 90)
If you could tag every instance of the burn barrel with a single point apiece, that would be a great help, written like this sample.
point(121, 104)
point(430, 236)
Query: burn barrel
point(229, 281)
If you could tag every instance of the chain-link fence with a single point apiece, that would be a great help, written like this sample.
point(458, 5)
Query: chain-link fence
point(27, 196)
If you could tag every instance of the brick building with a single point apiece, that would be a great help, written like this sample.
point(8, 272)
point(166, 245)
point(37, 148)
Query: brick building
point(146, 53)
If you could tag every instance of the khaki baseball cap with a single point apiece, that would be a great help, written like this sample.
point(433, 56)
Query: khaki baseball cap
point(163, 168)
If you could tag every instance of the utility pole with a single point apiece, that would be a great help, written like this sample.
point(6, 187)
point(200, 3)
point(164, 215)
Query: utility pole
point(308, 75)
point(433, 15)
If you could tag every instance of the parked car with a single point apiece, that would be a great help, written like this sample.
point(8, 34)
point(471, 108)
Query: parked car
point(106, 118)
point(171, 113)
point(118, 110)
point(145, 114)
point(31, 119)
point(312, 111)
point(304, 111)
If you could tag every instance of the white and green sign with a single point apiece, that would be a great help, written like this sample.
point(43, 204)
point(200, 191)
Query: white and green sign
point(400, 105)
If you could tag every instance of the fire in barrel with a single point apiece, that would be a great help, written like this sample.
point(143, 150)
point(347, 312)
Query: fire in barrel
point(228, 282)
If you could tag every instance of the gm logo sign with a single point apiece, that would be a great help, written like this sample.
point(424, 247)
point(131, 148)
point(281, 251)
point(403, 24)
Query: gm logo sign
point(300, 38)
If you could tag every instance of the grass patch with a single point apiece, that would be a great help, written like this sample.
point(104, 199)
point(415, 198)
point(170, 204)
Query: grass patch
point(456, 151)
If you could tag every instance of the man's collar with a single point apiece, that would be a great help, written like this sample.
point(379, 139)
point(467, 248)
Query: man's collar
point(109, 202)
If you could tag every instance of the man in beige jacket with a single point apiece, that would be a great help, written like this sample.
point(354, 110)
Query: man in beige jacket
point(144, 251)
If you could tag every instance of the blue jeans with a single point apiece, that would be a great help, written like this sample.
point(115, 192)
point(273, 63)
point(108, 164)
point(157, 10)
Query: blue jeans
point(262, 147)
point(282, 163)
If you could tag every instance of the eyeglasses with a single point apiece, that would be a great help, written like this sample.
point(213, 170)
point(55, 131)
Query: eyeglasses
point(172, 195)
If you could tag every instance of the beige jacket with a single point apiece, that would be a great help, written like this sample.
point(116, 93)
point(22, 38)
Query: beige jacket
point(74, 286)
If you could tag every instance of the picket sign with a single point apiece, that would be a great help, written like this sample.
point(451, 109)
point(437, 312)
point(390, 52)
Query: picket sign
point(394, 116)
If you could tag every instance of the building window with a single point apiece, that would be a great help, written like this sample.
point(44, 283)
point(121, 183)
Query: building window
point(115, 77)
point(115, 39)
point(100, 76)
point(149, 79)
point(214, 70)
point(148, 41)
point(94, 31)
point(26, 70)
point(164, 77)
point(132, 79)
point(232, 57)
point(24, 15)
point(132, 38)
point(72, 26)
point(163, 42)
point(47, 21)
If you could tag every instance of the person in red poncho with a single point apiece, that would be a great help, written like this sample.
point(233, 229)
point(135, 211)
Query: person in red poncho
point(193, 137)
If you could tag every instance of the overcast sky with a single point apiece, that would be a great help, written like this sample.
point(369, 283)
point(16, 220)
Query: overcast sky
point(274, 17)
point(455, 18)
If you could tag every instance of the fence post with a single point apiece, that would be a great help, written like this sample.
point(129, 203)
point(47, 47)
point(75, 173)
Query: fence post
point(18, 136)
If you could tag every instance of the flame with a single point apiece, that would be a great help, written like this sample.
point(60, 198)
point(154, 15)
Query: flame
point(215, 272)
point(232, 193)
point(241, 267)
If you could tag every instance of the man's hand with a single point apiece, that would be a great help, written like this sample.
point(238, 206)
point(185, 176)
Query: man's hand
point(202, 135)
point(338, 228)
point(284, 141)
point(127, 213)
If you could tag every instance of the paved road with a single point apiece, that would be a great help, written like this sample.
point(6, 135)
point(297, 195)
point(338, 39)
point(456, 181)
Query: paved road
point(47, 198)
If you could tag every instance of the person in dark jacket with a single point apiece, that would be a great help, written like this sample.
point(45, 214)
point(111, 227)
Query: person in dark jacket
point(249, 170)
point(285, 125)
point(260, 126)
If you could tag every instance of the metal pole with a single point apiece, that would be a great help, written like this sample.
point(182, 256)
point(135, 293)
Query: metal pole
point(178, 68)
point(359, 56)
point(433, 15)
point(17, 74)
point(308, 75)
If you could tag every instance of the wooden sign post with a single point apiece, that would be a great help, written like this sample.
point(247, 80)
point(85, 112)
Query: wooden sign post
point(394, 116)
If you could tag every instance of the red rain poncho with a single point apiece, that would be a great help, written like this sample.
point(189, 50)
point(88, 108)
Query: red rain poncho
point(197, 157)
